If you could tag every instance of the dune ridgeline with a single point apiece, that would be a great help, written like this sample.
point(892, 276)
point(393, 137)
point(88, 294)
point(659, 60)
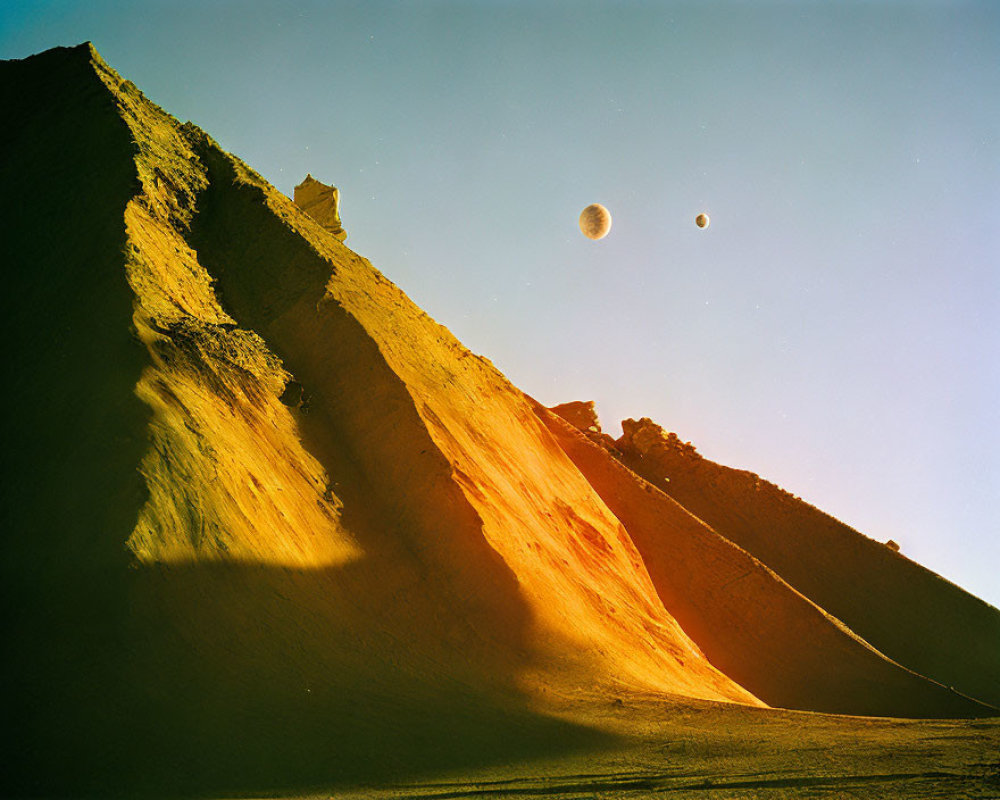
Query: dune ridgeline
point(266, 523)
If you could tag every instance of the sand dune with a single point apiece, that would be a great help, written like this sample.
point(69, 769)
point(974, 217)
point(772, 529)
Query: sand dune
point(408, 510)
point(268, 526)
point(751, 623)
point(906, 611)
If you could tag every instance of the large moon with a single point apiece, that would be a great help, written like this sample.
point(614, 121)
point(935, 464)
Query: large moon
point(595, 221)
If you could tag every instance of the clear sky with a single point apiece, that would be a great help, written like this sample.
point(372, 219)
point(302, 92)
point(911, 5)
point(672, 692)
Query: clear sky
point(836, 329)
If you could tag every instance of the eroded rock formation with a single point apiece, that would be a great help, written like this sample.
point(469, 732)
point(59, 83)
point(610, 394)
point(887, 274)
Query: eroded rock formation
point(582, 416)
point(322, 203)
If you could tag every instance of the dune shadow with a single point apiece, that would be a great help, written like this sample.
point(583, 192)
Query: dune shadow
point(234, 679)
point(257, 680)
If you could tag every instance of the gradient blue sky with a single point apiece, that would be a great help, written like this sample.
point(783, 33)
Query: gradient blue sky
point(836, 329)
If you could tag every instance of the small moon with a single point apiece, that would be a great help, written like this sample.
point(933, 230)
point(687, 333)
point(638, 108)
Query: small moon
point(702, 221)
point(595, 221)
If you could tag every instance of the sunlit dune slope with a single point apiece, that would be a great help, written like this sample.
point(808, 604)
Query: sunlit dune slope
point(906, 611)
point(458, 474)
point(450, 451)
point(749, 622)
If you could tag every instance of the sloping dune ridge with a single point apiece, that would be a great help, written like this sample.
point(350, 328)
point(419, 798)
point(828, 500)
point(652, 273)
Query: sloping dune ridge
point(905, 610)
point(749, 621)
point(268, 526)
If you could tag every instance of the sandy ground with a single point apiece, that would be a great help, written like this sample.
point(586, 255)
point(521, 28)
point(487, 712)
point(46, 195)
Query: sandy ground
point(705, 750)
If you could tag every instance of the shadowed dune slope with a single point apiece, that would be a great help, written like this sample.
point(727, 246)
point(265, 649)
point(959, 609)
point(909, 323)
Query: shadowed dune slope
point(914, 616)
point(73, 428)
point(747, 620)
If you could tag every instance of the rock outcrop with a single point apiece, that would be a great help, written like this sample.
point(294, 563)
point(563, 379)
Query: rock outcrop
point(643, 436)
point(322, 203)
point(582, 416)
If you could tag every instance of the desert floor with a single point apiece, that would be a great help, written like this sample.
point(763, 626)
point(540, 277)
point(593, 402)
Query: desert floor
point(689, 749)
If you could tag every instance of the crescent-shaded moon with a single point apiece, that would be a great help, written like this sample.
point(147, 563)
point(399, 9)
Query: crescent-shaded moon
point(595, 221)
